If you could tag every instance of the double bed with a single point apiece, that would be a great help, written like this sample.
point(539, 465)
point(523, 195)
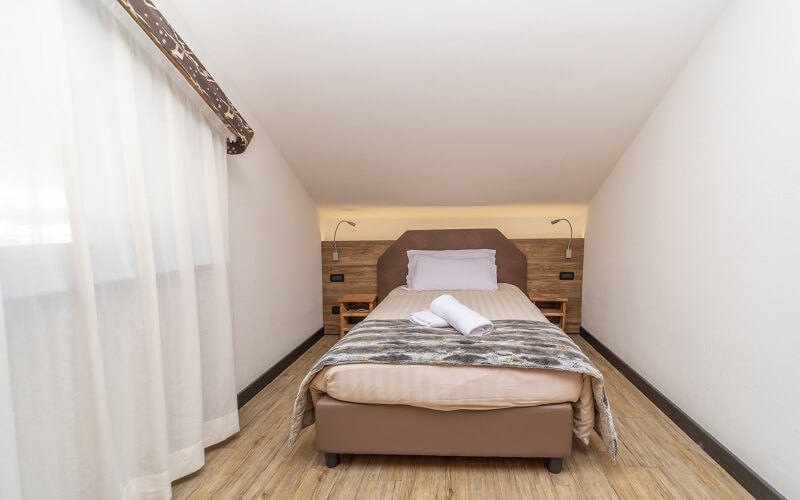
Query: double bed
point(390, 387)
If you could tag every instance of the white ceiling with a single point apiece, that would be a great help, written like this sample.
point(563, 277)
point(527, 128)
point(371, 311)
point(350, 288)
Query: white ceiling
point(452, 102)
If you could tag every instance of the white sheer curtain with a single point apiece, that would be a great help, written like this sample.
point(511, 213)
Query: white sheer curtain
point(116, 356)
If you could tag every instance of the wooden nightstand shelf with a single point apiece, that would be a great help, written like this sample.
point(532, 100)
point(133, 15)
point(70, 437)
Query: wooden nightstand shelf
point(554, 308)
point(354, 307)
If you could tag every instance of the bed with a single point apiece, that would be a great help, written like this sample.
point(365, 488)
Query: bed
point(412, 409)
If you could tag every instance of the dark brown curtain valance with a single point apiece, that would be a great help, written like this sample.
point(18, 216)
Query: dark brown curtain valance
point(149, 18)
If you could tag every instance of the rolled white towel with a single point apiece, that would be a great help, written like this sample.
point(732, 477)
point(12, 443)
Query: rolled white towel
point(461, 317)
point(428, 318)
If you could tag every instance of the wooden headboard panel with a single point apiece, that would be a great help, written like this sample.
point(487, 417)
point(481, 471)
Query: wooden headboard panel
point(512, 266)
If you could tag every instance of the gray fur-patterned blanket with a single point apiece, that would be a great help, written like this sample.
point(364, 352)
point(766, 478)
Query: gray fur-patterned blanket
point(518, 344)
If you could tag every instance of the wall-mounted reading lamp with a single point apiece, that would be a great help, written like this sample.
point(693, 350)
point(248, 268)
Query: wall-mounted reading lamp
point(569, 250)
point(336, 250)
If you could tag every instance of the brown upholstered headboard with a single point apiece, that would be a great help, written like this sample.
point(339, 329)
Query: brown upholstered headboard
point(512, 266)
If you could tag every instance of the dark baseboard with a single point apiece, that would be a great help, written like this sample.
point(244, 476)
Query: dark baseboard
point(751, 481)
point(255, 387)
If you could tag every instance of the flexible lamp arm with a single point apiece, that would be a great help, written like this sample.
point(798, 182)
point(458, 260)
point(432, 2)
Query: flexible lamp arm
point(335, 248)
point(334, 236)
point(569, 243)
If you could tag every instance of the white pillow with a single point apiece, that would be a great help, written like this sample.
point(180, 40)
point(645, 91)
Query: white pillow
point(470, 253)
point(434, 273)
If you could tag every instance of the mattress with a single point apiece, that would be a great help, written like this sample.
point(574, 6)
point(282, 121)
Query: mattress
point(447, 388)
point(507, 302)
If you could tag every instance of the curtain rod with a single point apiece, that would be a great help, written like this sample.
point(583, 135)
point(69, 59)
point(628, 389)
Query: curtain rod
point(152, 22)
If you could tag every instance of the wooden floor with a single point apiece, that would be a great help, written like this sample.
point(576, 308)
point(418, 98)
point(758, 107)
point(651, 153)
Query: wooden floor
point(656, 459)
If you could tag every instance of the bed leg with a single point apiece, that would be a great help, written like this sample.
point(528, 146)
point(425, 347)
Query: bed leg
point(331, 459)
point(554, 465)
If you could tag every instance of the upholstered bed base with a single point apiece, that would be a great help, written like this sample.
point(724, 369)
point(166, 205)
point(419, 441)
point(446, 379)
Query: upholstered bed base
point(541, 431)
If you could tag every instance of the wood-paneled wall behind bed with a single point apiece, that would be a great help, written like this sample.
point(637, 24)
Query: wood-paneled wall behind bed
point(355, 428)
point(358, 263)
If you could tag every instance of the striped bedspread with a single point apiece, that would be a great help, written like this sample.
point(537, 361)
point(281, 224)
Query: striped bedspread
point(514, 343)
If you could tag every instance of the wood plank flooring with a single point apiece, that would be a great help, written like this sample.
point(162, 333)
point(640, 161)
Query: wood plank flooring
point(656, 459)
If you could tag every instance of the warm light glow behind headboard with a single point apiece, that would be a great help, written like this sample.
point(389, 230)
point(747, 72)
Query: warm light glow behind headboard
point(515, 221)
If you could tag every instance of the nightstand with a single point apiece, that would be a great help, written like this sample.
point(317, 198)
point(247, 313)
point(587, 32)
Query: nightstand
point(354, 307)
point(553, 308)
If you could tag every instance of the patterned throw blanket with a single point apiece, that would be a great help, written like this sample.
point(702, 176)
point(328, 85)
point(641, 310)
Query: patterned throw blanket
point(517, 344)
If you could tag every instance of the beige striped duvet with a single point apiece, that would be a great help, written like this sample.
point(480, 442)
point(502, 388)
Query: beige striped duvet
point(457, 387)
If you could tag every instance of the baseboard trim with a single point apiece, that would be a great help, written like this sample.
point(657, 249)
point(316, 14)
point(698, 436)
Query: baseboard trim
point(255, 387)
point(743, 474)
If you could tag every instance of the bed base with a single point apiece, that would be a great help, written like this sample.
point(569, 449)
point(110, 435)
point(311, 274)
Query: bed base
point(355, 428)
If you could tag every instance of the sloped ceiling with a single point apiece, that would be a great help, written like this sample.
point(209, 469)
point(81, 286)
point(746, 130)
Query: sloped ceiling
point(426, 103)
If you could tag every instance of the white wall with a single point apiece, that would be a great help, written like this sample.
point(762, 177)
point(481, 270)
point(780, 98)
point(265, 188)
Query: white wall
point(275, 259)
point(692, 243)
